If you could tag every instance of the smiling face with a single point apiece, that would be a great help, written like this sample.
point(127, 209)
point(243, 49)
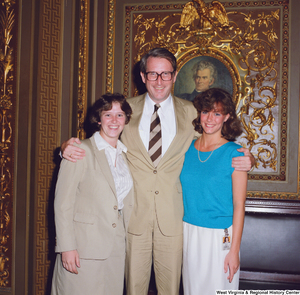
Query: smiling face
point(112, 124)
point(203, 80)
point(159, 90)
point(212, 121)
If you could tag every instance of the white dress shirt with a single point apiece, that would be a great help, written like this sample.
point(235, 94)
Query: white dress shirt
point(118, 167)
point(166, 114)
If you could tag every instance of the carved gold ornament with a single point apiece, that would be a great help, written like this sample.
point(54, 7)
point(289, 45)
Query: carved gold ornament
point(110, 46)
point(82, 67)
point(7, 21)
point(247, 42)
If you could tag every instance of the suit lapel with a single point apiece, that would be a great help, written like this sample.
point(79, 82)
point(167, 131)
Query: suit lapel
point(104, 166)
point(133, 127)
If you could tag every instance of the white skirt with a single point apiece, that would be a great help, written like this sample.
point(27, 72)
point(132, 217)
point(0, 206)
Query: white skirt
point(203, 261)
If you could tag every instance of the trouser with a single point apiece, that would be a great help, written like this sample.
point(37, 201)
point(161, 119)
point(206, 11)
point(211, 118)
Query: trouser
point(165, 253)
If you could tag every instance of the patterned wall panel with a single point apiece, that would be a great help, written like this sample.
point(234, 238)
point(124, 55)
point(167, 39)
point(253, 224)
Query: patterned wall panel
point(47, 127)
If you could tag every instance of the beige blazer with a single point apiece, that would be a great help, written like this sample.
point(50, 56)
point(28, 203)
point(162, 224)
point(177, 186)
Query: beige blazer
point(86, 206)
point(160, 184)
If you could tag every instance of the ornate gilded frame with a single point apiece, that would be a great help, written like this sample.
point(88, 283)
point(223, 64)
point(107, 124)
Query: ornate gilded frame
point(8, 37)
point(110, 46)
point(259, 49)
point(234, 38)
point(83, 66)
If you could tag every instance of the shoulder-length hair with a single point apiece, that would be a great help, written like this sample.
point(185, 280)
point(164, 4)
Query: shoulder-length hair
point(207, 101)
point(105, 103)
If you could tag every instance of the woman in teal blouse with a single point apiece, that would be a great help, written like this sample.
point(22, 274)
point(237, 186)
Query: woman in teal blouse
point(214, 197)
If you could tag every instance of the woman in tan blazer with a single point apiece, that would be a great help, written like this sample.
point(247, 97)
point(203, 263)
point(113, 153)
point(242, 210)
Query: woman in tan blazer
point(93, 203)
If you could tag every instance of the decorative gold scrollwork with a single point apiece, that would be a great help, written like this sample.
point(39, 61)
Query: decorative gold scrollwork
point(110, 46)
point(82, 67)
point(250, 40)
point(7, 20)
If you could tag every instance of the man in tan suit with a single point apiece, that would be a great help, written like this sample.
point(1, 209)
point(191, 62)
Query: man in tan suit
point(155, 227)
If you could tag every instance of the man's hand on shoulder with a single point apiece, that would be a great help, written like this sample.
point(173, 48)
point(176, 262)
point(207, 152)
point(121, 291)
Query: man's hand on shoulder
point(71, 152)
point(244, 163)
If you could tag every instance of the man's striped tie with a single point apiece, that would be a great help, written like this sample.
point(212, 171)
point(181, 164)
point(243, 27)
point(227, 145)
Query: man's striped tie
point(155, 141)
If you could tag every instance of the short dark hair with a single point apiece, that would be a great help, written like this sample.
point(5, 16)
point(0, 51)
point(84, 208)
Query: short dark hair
point(207, 100)
point(105, 103)
point(161, 53)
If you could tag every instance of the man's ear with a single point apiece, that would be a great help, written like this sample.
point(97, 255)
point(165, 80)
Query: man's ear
point(212, 81)
point(143, 77)
point(175, 76)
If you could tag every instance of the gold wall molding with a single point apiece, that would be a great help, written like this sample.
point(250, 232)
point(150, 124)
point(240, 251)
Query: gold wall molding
point(110, 46)
point(83, 66)
point(48, 122)
point(256, 41)
point(7, 117)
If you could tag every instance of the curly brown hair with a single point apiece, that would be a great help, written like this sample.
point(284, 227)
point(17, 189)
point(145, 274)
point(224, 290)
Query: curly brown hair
point(105, 103)
point(207, 100)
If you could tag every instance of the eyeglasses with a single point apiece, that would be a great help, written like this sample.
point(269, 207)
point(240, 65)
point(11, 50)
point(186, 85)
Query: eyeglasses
point(165, 76)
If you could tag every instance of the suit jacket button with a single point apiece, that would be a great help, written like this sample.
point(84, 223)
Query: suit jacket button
point(157, 192)
point(115, 207)
point(154, 171)
point(114, 225)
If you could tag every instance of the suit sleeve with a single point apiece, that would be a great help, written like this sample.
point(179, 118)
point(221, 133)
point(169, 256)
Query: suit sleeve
point(65, 196)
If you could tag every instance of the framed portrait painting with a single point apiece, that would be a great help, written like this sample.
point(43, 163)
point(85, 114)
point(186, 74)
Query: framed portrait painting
point(201, 73)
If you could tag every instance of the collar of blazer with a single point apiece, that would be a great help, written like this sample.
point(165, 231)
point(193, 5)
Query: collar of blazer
point(103, 164)
point(137, 105)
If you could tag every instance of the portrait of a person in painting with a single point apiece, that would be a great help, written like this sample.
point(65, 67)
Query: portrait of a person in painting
point(199, 74)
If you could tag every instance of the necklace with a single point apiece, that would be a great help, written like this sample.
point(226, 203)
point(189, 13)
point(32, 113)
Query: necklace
point(210, 153)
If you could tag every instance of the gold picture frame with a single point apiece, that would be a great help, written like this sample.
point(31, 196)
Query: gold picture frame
point(193, 32)
point(254, 41)
point(265, 25)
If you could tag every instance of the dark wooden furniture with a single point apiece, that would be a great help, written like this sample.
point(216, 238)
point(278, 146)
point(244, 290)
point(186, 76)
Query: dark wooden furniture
point(270, 250)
